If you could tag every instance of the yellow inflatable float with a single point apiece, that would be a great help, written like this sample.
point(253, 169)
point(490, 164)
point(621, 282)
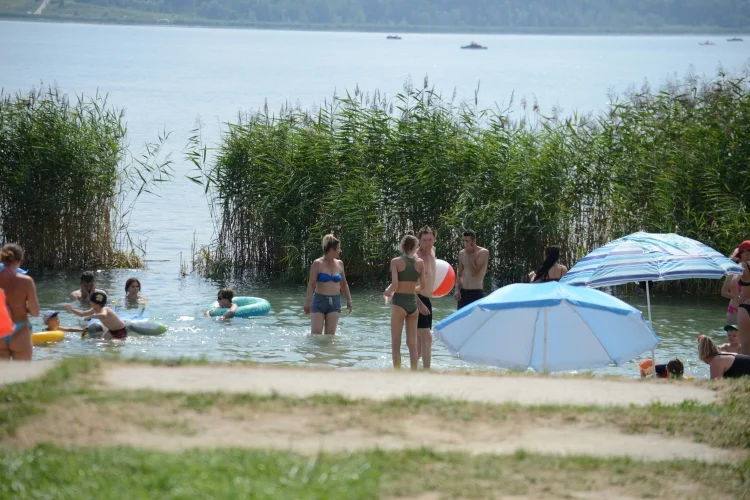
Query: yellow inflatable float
point(46, 337)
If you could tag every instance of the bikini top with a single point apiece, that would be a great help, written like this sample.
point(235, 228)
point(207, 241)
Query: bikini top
point(325, 278)
point(409, 273)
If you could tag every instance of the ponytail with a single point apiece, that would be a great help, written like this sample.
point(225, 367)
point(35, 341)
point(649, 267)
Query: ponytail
point(11, 253)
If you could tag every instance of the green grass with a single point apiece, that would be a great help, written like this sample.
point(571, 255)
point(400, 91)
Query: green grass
point(83, 473)
point(22, 400)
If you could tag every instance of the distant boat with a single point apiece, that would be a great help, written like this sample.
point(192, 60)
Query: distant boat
point(735, 39)
point(474, 45)
point(393, 37)
point(707, 42)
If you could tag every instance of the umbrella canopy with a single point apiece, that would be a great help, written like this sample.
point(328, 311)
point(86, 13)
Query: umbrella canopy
point(547, 327)
point(649, 257)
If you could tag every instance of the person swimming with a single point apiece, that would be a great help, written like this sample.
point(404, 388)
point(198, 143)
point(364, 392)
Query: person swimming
point(106, 315)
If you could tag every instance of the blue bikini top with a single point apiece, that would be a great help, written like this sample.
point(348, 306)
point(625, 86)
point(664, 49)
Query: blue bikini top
point(325, 277)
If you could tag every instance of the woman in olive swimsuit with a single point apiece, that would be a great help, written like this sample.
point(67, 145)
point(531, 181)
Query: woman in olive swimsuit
point(742, 295)
point(407, 275)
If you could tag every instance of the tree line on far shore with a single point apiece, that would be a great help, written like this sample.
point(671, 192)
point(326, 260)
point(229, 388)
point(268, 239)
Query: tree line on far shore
point(492, 15)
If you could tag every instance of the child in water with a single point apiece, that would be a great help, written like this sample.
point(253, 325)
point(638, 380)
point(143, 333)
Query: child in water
point(225, 302)
point(106, 315)
point(52, 323)
point(733, 340)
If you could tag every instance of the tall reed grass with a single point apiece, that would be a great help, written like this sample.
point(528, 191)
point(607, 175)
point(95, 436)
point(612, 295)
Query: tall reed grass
point(371, 168)
point(68, 182)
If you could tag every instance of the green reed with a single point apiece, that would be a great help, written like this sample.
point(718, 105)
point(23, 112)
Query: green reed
point(67, 181)
point(371, 168)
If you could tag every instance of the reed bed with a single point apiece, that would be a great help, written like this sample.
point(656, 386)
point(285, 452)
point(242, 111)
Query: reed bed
point(372, 167)
point(68, 182)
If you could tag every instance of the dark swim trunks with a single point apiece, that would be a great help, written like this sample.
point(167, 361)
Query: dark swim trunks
point(469, 296)
point(425, 321)
point(120, 334)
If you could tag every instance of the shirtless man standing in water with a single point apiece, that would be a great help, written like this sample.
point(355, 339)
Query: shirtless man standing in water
point(21, 300)
point(472, 266)
point(426, 252)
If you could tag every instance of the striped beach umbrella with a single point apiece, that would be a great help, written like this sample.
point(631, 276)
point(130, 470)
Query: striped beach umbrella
point(649, 257)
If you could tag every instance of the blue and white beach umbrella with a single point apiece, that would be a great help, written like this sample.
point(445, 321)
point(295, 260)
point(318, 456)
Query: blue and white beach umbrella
point(547, 327)
point(649, 257)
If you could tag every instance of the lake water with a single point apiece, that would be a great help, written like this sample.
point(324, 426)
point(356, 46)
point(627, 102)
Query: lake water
point(168, 78)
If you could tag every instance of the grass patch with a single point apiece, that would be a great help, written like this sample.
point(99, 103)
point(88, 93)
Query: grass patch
point(19, 401)
point(83, 473)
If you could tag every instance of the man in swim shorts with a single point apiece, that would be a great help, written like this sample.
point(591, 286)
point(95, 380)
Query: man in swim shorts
point(472, 266)
point(426, 252)
point(88, 286)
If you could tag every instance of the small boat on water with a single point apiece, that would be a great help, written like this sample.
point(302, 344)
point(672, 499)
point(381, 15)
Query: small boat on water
point(474, 45)
point(707, 42)
point(735, 39)
point(393, 37)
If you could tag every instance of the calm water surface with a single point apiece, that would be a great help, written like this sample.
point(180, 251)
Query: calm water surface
point(170, 78)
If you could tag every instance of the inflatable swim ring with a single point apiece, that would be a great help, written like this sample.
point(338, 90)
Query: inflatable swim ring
point(134, 324)
point(445, 278)
point(144, 326)
point(247, 307)
point(45, 337)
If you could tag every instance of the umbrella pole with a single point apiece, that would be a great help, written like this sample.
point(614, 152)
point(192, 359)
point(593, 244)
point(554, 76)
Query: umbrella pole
point(648, 302)
point(544, 358)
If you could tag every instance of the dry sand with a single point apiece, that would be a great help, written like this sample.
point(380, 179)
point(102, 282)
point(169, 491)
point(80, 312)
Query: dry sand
point(380, 385)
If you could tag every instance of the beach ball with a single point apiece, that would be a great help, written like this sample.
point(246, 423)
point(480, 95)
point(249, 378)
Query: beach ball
point(445, 278)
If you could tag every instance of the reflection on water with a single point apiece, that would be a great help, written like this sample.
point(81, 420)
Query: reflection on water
point(283, 336)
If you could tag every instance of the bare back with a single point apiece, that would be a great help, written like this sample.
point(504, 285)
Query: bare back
point(20, 295)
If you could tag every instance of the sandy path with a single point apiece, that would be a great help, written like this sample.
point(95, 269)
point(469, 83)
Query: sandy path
point(13, 372)
point(167, 427)
point(379, 385)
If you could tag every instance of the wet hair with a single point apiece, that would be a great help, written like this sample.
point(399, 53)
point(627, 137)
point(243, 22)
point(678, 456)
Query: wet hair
point(130, 282)
point(11, 253)
point(426, 230)
point(675, 368)
point(226, 293)
point(706, 348)
point(330, 242)
point(550, 259)
point(471, 234)
point(408, 243)
point(87, 277)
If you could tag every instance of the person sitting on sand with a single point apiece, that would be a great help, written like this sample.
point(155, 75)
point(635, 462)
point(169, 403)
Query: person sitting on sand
point(733, 340)
point(225, 302)
point(52, 323)
point(108, 317)
point(87, 287)
point(722, 364)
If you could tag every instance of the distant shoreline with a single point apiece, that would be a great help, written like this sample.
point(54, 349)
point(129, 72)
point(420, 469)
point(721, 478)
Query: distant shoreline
point(672, 30)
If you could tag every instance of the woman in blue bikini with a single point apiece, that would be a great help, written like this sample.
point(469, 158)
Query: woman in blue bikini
point(327, 281)
point(21, 300)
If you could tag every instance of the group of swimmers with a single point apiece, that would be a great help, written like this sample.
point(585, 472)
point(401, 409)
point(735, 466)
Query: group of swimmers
point(21, 302)
point(410, 292)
